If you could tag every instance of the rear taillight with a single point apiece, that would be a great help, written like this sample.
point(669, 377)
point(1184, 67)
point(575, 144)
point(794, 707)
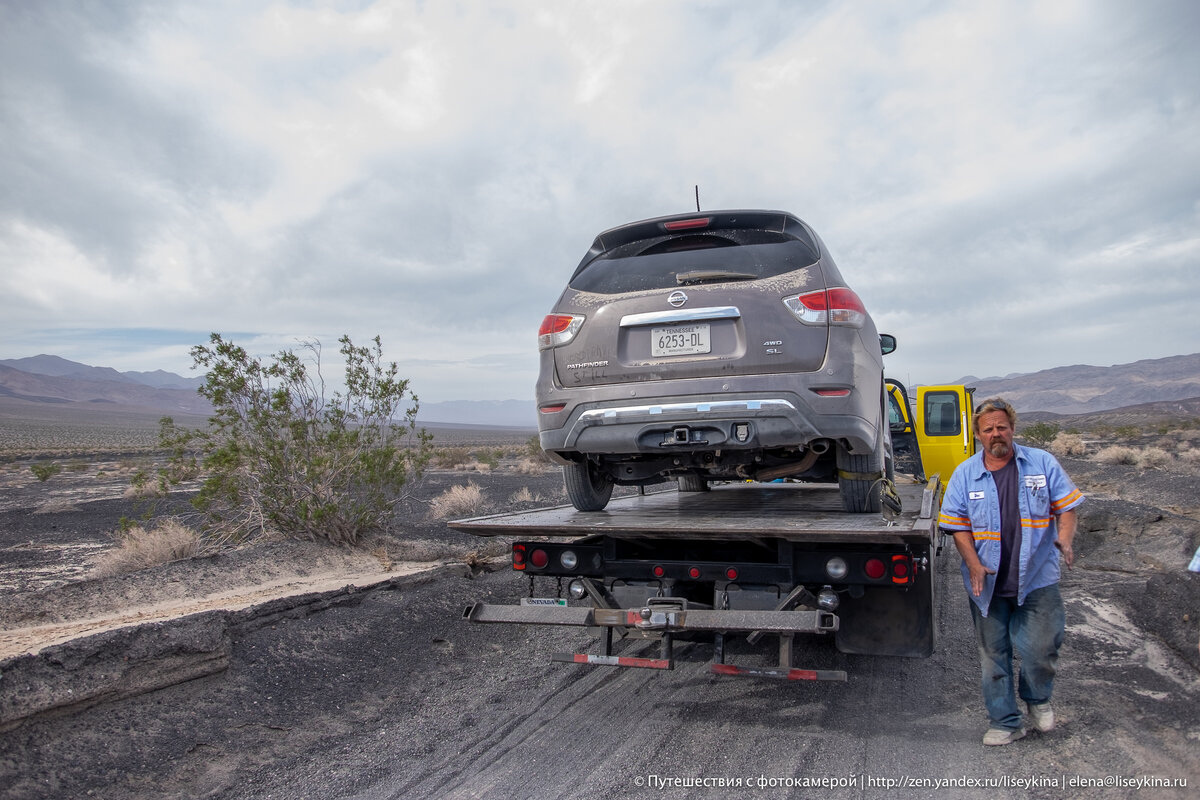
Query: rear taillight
point(874, 568)
point(839, 306)
point(518, 556)
point(558, 329)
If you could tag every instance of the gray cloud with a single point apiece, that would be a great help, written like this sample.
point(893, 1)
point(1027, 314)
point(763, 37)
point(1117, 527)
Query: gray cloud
point(1009, 187)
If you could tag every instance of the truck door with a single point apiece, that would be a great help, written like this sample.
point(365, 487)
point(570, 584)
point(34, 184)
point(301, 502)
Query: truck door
point(905, 449)
point(945, 427)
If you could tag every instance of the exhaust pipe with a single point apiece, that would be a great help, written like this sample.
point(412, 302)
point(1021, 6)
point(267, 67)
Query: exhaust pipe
point(815, 450)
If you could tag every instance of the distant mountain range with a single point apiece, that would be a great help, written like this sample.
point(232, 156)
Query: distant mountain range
point(1083, 389)
point(1080, 389)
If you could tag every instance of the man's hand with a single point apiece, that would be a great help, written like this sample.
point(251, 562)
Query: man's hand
point(966, 548)
point(1066, 536)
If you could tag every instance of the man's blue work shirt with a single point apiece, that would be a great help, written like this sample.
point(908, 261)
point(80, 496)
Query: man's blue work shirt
point(971, 504)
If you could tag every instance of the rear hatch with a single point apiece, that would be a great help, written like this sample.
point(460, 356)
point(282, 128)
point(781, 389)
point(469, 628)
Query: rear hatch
point(692, 297)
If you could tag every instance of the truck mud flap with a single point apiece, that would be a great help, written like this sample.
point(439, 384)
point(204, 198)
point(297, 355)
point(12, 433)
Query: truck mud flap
point(890, 622)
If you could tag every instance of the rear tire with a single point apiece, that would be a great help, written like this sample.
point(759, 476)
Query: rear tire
point(587, 487)
point(860, 492)
point(692, 483)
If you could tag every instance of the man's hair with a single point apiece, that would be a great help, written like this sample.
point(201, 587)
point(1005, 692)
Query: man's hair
point(996, 404)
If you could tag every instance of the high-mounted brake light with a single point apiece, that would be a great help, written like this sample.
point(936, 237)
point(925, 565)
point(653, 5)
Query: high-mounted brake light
point(558, 329)
point(688, 224)
point(837, 306)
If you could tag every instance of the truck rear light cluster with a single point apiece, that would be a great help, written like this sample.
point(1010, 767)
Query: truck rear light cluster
point(900, 566)
point(837, 306)
point(558, 329)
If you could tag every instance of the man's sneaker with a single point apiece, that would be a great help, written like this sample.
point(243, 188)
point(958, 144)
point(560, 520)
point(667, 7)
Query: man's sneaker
point(1042, 717)
point(996, 736)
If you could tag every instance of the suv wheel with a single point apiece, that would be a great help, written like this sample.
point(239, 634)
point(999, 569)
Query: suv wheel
point(859, 480)
point(587, 487)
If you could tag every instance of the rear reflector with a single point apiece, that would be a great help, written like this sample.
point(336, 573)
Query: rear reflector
point(833, 392)
point(687, 224)
point(612, 661)
point(553, 408)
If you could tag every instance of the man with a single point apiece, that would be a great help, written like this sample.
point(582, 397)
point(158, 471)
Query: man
point(1011, 510)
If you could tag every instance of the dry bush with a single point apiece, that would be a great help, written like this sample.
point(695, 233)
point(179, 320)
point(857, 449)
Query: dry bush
point(1154, 458)
point(451, 457)
point(1117, 454)
point(1189, 456)
point(458, 501)
point(533, 466)
point(138, 548)
point(1068, 444)
point(474, 466)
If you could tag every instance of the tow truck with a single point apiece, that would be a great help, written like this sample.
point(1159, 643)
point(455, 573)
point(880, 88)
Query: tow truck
point(756, 559)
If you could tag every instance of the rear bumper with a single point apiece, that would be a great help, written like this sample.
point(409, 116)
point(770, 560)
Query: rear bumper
point(733, 421)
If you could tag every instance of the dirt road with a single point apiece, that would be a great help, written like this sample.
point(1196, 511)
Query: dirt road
point(395, 697)
point(389, 694)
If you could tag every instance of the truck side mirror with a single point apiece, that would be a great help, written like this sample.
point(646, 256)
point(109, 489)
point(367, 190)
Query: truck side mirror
point(887, 343)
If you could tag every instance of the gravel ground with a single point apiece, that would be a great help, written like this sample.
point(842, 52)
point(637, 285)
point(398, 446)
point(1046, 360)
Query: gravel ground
point(388, 693)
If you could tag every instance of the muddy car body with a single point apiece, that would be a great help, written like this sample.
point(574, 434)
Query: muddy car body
point(712, 346)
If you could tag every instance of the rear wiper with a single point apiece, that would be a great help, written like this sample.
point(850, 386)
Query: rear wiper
point(708, 275)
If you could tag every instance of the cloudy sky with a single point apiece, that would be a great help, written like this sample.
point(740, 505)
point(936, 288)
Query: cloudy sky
point(1010, 186)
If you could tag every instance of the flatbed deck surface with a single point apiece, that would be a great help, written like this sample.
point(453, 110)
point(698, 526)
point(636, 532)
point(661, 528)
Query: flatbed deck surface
point(794, 511)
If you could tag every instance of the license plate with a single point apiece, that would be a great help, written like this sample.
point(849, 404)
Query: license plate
point(680, 340)
point(543, 601)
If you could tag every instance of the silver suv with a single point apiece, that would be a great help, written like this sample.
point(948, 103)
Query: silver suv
point(712, 346)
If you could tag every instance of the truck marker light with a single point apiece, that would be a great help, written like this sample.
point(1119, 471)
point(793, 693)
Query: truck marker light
point(875, 568)
point(659, 571)
point(539, 559)
point(731, 574)
point(693, 572)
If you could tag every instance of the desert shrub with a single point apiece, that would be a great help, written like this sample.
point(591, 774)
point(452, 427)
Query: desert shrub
point(1189, 456)
point(451, 457)
point(1117, 455)
point(143, 484)
point(1068, 444)
point(490, 456)
point(1127, 431)
point(458, 501)
point(1039, 434)
point(532, 466)
point(1154, 458)
point(44, 472)
point(278, 455)
point(139, 548)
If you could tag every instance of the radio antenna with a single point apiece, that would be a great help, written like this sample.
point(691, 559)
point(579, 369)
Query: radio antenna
point(697, 197)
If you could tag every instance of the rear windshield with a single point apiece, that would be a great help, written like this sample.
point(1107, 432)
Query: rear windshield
point(657, 263)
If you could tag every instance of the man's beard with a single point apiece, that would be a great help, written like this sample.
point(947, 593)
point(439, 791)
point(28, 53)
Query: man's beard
point(999, 449)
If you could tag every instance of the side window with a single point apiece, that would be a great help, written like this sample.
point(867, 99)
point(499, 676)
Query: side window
point(942, 417)
point(896, 420)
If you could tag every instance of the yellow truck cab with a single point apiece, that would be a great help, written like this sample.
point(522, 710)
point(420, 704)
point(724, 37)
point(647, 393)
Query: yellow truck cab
point(936, 433)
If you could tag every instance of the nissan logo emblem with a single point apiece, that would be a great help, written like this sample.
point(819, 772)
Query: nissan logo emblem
point(677, 299)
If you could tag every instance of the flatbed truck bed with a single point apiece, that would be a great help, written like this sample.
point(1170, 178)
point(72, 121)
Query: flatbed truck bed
point(791, 511)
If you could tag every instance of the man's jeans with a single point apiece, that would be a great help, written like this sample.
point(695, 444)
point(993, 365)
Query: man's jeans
point(1035, 629)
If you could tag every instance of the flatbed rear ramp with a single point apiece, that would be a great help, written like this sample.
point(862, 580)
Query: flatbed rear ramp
point(793, 511)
